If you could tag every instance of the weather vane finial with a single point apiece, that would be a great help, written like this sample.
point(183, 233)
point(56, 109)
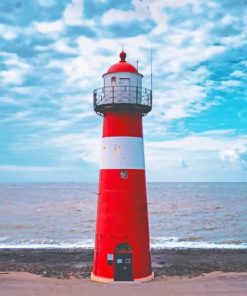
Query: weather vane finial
point(122, 55)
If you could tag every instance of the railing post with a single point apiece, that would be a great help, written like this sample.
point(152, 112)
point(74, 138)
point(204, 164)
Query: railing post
point(113, 94)
point(94, 98)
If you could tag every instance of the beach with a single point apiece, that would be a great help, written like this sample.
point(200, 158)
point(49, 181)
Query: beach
point(216, 283)
point(64, 272)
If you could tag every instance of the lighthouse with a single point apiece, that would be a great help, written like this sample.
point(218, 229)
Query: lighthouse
point(122, 249)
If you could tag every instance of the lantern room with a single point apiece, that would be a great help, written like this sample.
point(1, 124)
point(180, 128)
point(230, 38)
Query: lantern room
point(122, 89)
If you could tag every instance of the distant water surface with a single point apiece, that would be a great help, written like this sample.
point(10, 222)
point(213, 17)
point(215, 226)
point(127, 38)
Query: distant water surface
point(181, 215)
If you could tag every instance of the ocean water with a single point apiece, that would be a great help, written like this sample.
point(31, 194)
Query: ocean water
point(181, 215)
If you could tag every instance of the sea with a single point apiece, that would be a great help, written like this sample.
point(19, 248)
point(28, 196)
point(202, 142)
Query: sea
point(181, 215)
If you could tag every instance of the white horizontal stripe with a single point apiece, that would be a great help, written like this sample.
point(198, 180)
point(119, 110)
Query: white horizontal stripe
point(122, 153)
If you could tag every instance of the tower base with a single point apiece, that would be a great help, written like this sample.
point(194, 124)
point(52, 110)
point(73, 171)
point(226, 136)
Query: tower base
point(101, 279)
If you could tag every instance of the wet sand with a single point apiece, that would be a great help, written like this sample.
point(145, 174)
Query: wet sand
point(77, 263)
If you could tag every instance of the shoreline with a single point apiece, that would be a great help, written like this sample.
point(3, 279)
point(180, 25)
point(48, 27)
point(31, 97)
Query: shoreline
point(77, 263)
point(177, 244)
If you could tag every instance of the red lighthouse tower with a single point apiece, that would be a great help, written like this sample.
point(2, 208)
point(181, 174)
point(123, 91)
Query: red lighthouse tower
point(122, 251)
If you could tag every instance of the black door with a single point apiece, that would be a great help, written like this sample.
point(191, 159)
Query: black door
point(123, 267)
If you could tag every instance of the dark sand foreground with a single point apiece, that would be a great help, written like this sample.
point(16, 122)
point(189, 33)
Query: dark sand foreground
point(78, 263)
point(178, 272)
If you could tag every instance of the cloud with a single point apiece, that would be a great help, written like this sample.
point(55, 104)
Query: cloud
point(229, 155)
point(194, 146)
point(46, 3)
point(49, 27)
point(203, 157)
point(25, 168)
point(72, 16)
point(228, 19)
point(73, 13)
point(235, 158)
point(238, 74)
point(61, 46)
point(115, 15)
point(80, 146)
point(16, 69)
point(230, 83)
point(14, 76)
point(8, 32)
point(85, 68)
point(10, 101)
point(192, 143)
point(217, 133)
point(184, 95)
point(60, 124)
point(177, 4)
point(142, 11)
point(16, 117)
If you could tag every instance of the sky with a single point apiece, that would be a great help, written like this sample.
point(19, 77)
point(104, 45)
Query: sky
point(53, 54)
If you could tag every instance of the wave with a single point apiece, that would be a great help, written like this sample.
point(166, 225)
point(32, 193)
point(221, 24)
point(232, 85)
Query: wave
point(193, 243)
point(3, 238)
point(208, 228)
point(190, 239)
point(48, 244)
point(156, 243)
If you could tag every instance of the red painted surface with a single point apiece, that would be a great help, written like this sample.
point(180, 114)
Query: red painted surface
point(122, 67)
point(122, 124)
point(122, 217)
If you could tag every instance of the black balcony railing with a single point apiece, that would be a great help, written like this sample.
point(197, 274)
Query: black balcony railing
point(122, 97)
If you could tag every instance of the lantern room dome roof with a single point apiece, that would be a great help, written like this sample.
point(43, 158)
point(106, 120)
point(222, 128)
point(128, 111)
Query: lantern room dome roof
point(122, 65)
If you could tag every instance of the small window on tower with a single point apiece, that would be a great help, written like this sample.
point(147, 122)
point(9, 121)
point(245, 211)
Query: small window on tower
point(113, 80)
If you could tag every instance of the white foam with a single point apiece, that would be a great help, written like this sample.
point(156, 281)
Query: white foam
point(176, 243)
point(3, 238)
point(87, 244)
point(156, 243)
